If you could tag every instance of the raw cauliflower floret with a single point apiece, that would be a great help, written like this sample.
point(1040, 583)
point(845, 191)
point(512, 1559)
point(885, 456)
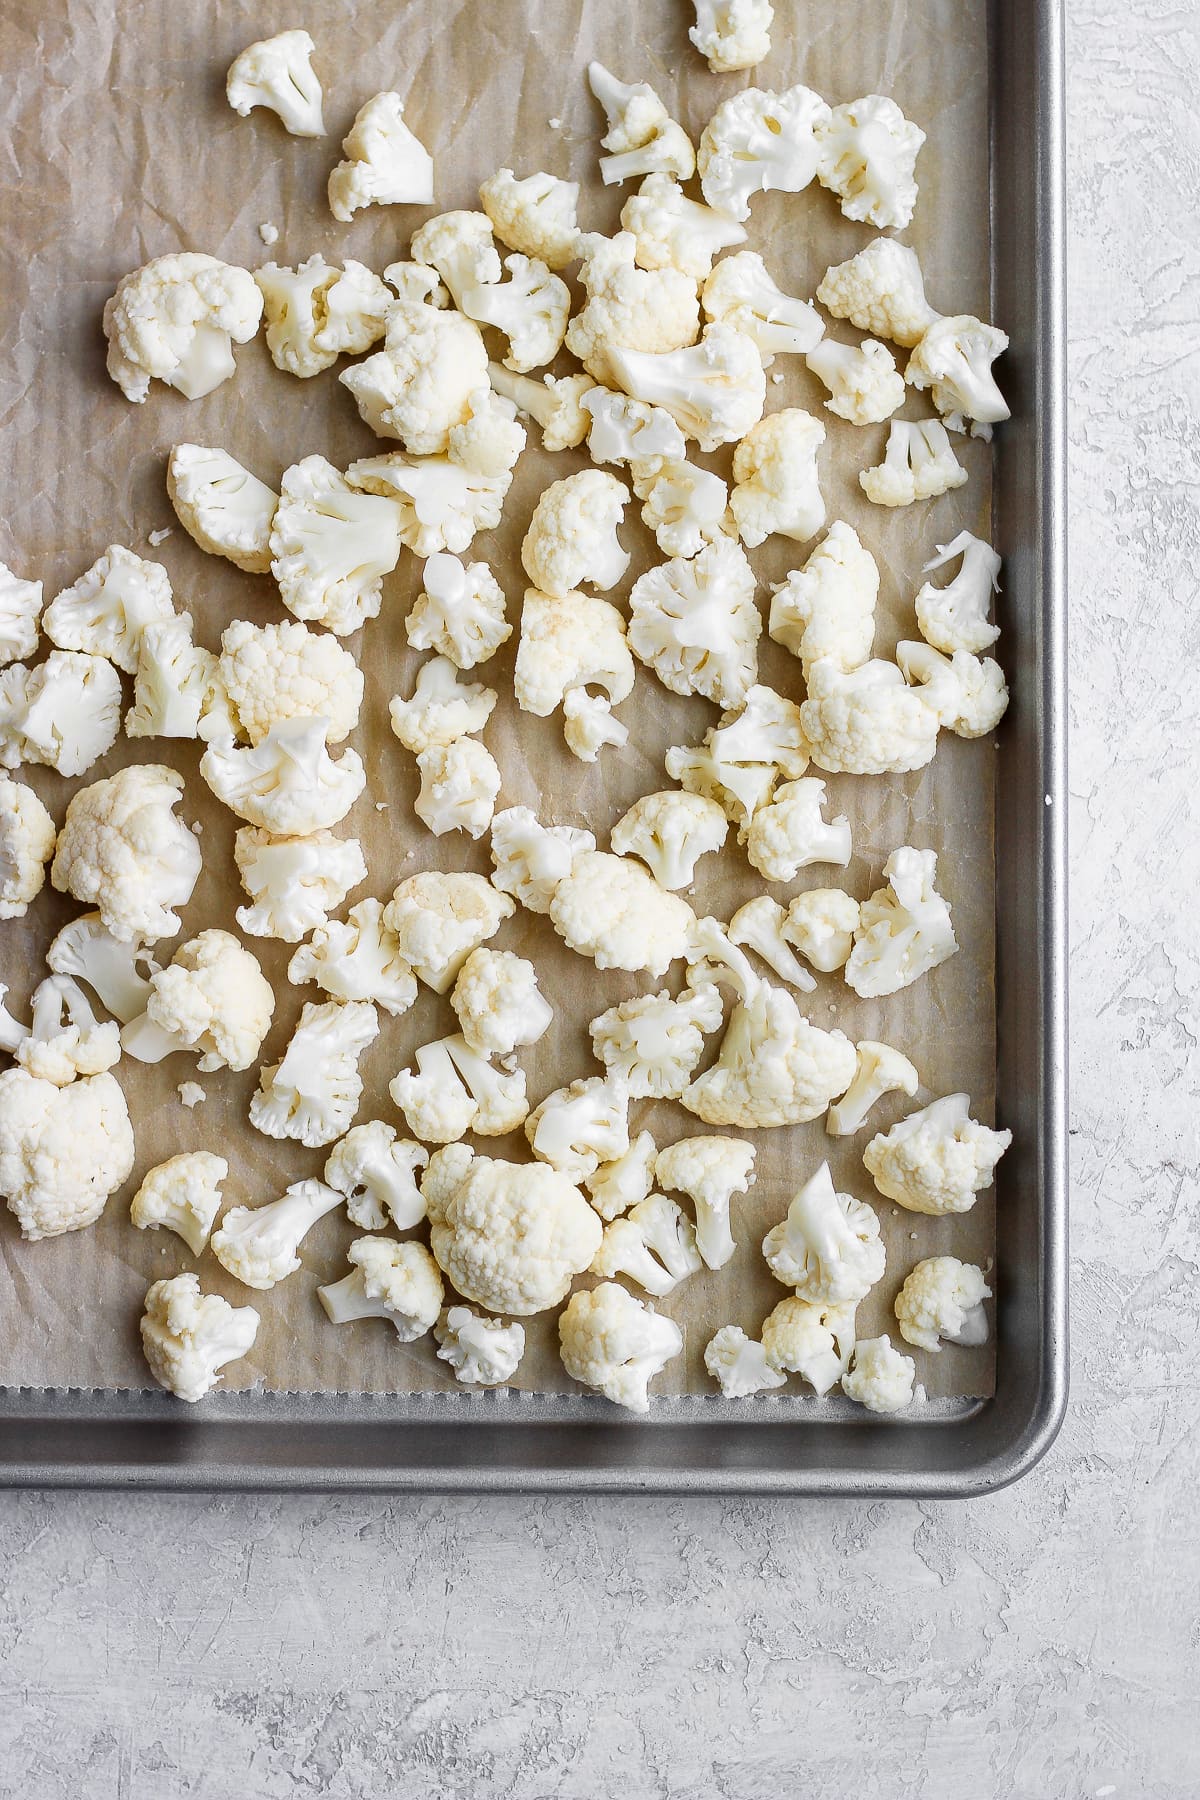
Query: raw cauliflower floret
point(276, 672)
point(685, 507)
point(710, 1171)
point(331, 546)
point(27, 839)
point(63, 1150)
point(882, 291)
point(377, 1172)
point(182, 1195)
point(759, 926)
point(696, 625)
point(739, 292)
point(358, 959)
point(212, 998)
point(642, 137)
point(419, 386)
point(615, 1344)
point(652, 310)
point(482, 1352)
point(969, 693)
point(738, 1365)
point(66, 1039)
point(440, 918)
point(459, 612)
point(312, 1094)
point(775, 489)
point(918, 464)
point(612, 910)
point(531, 859)
point(122, 849)
point(670, 832)
point(294, 883)
point(489, 442)
point(758, 142)
point(811, 1339)
point(714, 390)
point(460, 246)
point(881, 1070)
point(177, 691)
point(654, 1041)
point(106, 610)
point(63, 713)
point(868, 157)
point(530, 309)
point(385, 164)
point(277, 73)
point(674, 232)
point(553, 403)
point(509, 1236)
point(626, 431)
point(226, 509)
point(535, 215)
point(880, 1377)
point(572, 536)
point(828, 1247)
point(867, 721)
point(588, 724)
point(954, 361)
point(904, 928)
point(455, 1090)
point(176, 320)
point(620, 1184)
point(577, 1128)
point(938, 1160)
point(654, 1245)
point(459, 785)
point(289, 784)
point(498, 1003)
point(732, 34)
point(821, 924)
point(955, 617)
point(113, 970)
point(20, 610)
point(442, 505)
point(318, 312)
point(943, 1298)
point(260, 1244)
point(790, 834)
point(398, 1282)
point(441, 708)
point(569, 643)
point(827, 608)
point(865, 386)
point(742, 758)
point(188, 1337)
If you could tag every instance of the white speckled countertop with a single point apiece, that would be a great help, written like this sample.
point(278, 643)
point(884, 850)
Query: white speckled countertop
point(1042, 1645)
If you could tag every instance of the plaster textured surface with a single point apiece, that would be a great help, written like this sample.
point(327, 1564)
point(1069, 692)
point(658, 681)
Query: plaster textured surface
point(1042, 1645)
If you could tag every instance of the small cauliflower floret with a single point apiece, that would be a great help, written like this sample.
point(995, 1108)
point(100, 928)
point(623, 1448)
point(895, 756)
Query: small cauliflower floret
point(377, 1172)
point(276, 672)
point(615, 1344)
point(881, 1070)
point(710, 1171)
point(319, 312)
point(955, 617)
point(498, 1004)
point(625, 431)
point(188, 1337)
point(482, 1352)
point(456, 1089)
point(882, 291)
point(758, 142)
point(811, 1339)
point(821, 924)
point(459, 612)
point(577, 1128)
point(828, 1247)
point(385, 164)
point(489, 442)
point(440, 918)
point(759, 926)
point(918, 464)
point(968, 692)
point(442, 505)
point(880, 1377)
point(867, 721)
point(176, 320)
point(696, 625)
point(63, 1150)
point(182, 1195)
point(865, 386)
point(775, 491)
point(943, 1298)
point(685, 507)
point(20, 610)
point(674, 232)
point(63, 713)
point(509, 1236)
point(288, 784)
point(739, 1366)
point(739, 292)
point(112, 969)
point(654, 1041)
point(742, 757)
point(26, 845)
point(827, 608)
point(441, 708)
point(459, 245)
point(620, 1184)
point(642, 137)
point(212, 998)
point(531, 859)
point(904, 928)
point(106, 610)
point(294, 883)
point(531, 309)
point(553, 403)
point(66, 1039)
point(868, 157)
point(535, 215)
point(122, 850)
point(588, 724)
point(733, 34)
point(419, 386)
point(312, 1095)
point(572, 536)
point(459, 785)
point(938, 1160)
point(790, 834)
point(569, 644)
point(954, 361)
point(398, 1282)
point(654, 1245)
point(260, 1245)
point(226, 509)
point(653, 310)
point(277, 73)
point(358, 959)
point(610, 909)
point(714, 390)
point(670, 832)
point(331, 546)
point(177, 691)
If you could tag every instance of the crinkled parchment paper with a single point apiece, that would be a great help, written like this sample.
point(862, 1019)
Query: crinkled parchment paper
point(118, 146)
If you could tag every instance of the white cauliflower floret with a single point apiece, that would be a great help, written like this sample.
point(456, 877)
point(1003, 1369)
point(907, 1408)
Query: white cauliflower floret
point(319, 312)
point(66, 1039)
point(122, 850)
point(277, 73)
point(488, 443)
point(733, 34)
point(358, 959)
point(714, 390)
point(276, 672)
point(654, 1041)
point(260, 1245)
point(625, 431)
point(331, 546)
point(553, 403)
point(510, 1236)
point(177, 691)
point(790, 834)
point(312, 1094)
point(419, 386)
point(811, 1339)
point(775, 491)
point(531, 859)
point(642, 137)
point(63, 713)
point(288, 784)
point(588, 724)
point(759, 926)
point(955, 617)
point(739, 1365)
point(743, 756)
point(535, 215)
point(880, 1377)
point(440, 918)
point(938, 1160)
point(459, 612)
point(828, 1247)
point(112, 969)
point(758, 142)
point(20, 610)
point(918, 464)
point(880, 1070)
point(294, 883)
point(385, 164)
point(904, 928)
point(212, 998)
point(610, 909)
point(498, 1004)
point(710, 1171)
point(620, 1184)
point(865, 386)
point(654, 1245)
point(442, 505)
point(531, 309)
point(968, 692)
point(27, 839)
point(674, 232)
point(441, 708)
point(377, 1172)
point(577, 1128)
point(226, 509)
point(696, 625)
point(570, 643)
point(954, 361)
point(460, 246)
point(182, 1195)
point(670, 832)
point(827, 608)
point(63, 1150)
point(398, 1282)
point(685, 507)
point(176, 320)
point(821, 924)
point(572, 536)
point(615, 1344)
point(106, 610)
point(739, 292)
point(188, 1337)
point(456, 1089)
point(459, 785)
point(867, 721)
point(943, 1298)
point(640, 309)
point(482, 1352)
point(868, 157)
point(881, 290)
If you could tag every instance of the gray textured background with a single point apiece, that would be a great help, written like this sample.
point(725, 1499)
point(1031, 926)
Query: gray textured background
point(1043, 1645)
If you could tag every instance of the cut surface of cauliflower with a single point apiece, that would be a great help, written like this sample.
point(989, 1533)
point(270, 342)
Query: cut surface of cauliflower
point(674, 232)
point(918, 464)
point(385, 165)
point(459, 785)
point(530, 309)
point(553, 403)
point(790, 834)
point(226, 509)
point(612, 910)
point(732, 34)
point(377, 1172)
point(650, 310)
point(312, 1094)
point(696, 625)
point(288, 784)
point(182, 1195)
point(684, 506)
point(811, 1339)
point(509, 1236)
point(188, 1337)
point(880, 1377)
point(714, 390)
point(277, 73)
point(938, 1160)
point(177, 691)
point(710, 1171)
point(775, 486)
point(66, 1039)
point(112, 969)
point(739, 1365)
point(758, 142)
point(122, 850)
point(827, 608)
point(577, 1128)
point(176, 320)
point(572, 536)
point(27, 838)
point(654, 1245)
point(616, 1344)
point(357, 959)
point(63, 1150)
point(271, 673)
point(955, 617)
point(260, 1245)
point(742, 758)
point(670, 832)
point(397, 1282)
point(866, 721)
point(865, 386)
point(498, 1003)
point(618, 1185)
point(904, 928)
point(943, 1298)
point(294, 883)
point(20, 610)
point(642, 137)
point(821, 924)
point(654, 1041)
point(459, 612)
point(882, 291)
point(442, 506)
point(881, 1070)
point(318, 312)
point(212, 998)
point(969, 692)
point(954, 361)
point(535, 214)
point(828, 1247)
point(106, 610)
point(868, 159)
point(741, 293)
point(331, 546)
point(759, 926)
point(441, 707)
point(530, 859)
point(454, 1090)
point(440, 918)
point(626, 431)
point(64, 713)
point(482, 1352)
point(420, 385)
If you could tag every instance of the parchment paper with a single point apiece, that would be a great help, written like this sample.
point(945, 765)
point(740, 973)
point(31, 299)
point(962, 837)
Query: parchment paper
point(118, 146)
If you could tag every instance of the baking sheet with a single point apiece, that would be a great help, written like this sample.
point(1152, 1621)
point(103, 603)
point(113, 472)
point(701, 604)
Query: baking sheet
point(119, 147)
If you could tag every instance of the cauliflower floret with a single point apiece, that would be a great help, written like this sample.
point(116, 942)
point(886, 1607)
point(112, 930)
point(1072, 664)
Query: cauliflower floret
point(399, 1282)
point(482, 1352)
point(714, 390)
point(312, 1094)
point(531, 309)
point(685, 507)
point(955, 617)
point(510, 1236)
point(459, 612)
point(188, 1337)
point(867, 721)
point(177, 691)
point(106, 610)
point(459, 785)
point(742, 757)
point(357, 960)
point(531, 859)
point(259, 1245)
point(739, 292)
point(577, 1128)
point(288, 784)
point(865, 386)
point(610, 909)
point(331, 546)
point(670, 832)
point(553, 403)
point(758, 142)
point(828, 1247)
point(570, 642)
point(535, 215)
point(122, 850)
point(775, 491)
point(654, 1245)
point(456, 1089)
point(212, 998)
point(26, 845)
point(620, 1184)
point(811, 1339)
point(739, 1366)
point(880, 1070)
point(113, 970)
point(918, 464)
point(827, 608)
point(460, 246)
point(674, 232)
point(489, 443)
point(882, 291)
point(377, 1172)
point(572, 536)
point(66, 1039)
point(294, 883)
point(789, 834)
point(954, 361)
point(943, 1298)
point(904, 928)
point(277, 73)
point(759, 926)
point(654, 1041)
point(419, 386)
point(20, 610)
point(868, 157)
point(385, 164)
point(182, 1195)
point(440, 918)
point(176, 320)
point(969, 692)
point(441, 709)
point(64, 713)
point(226, 509)
point(733, 34)
point(696, 625)
point(624, 431)
point(821, 924)
point(616, 1344)
point(880, 1378)
point(938, 1160)
point(653, 310)
point(63, 1150)
point(319, 312)
point(642, 136)
point(498, 1004)
point(710, 1171)
point(442, 505)
point(588, 724)
point(276, 672)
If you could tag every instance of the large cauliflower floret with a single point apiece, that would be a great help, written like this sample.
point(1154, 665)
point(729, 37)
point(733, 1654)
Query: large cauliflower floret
point(739, 1365)
point(442, 505)
point(294, 883)
point(654, 1041)
point(331, 546)
point(441, 708)
point(867, 721)
point(188, 1337)
point(113, 970)
point(385, 164)
point(954, 361)
point(968, 692)
point(572, 536)
point(440, 918)
point(696, 625)
point(642, 137)
point(868, 157)
point(459, 612)
point(938, 1160)
point(553, 403)
point(918, 464)
point(570, 643)
point(64, 713)
point(357, 959)
point(459, 785)
point(733, 34)
point(535, 215)
point(456, 1090)
point(66, 1039)
point(398, 1282)
point(811, 1339)
point(759, 142)
point(741, 759)
point(260, 1244)
point(107, 609)
point(650, 310)
point(670, 832)
point(821, 924)
point(482, 1352)
point(790, 833)
point(654, 1245)
point(684, 506)
point(226, 509)
point(714, 390)
point(710, 1171)
point(759, 925)
point(577, 1128)
point(288, 784)
point(177, 691)
point(319, 312)
point(881, 1377)
point(26, 845)
point(610, 909)
point(616, 1344)
point(212, 998)
point(620, 1184)
point(776, 491)
point(674, 232)
point(63, 1150)
point(904, 929)
point(740, 292)
point(828, 1247)
point(122, 850)
point(627, 431)
point(20, 610)
point(498, 1003)
point(176, 320)
point(531, 859)
point(882, 291)
point(827, 608)
point(955, 617)
point(277, 73)
point(182, 1195)
point(943, 1298)
point(419, 386)
point(864, 383)
point(881, 1070)
point(511, 1236)
point(377, 1172)
point(313, 1093)
point(276, 672)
